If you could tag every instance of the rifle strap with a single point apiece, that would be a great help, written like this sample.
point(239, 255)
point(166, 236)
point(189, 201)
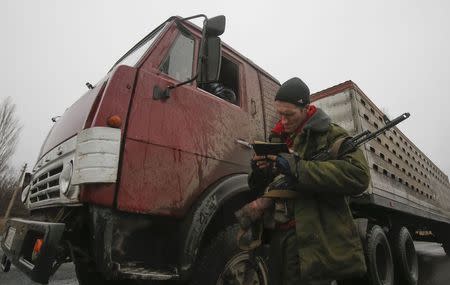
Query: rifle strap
point(250, 245)
point(334, 149)
point(283, 194)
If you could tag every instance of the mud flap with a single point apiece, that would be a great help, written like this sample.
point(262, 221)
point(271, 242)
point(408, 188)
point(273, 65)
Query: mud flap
point(6, 263)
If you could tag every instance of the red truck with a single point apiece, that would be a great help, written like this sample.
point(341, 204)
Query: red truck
point(140, 178)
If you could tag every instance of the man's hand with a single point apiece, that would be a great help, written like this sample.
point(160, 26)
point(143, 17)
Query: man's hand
point(261, 162)
point(278, 162)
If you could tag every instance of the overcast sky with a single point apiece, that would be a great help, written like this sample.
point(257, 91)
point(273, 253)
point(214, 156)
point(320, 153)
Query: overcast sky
point(397, 52)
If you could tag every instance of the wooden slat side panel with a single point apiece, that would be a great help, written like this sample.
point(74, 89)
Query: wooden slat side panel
point(392, 155)
point(339, 108)
point(269, 88)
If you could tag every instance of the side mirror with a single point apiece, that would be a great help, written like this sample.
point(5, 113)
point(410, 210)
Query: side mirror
point(210, 66)
point(215, 26)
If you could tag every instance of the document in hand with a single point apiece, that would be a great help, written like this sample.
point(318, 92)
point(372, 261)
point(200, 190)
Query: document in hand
point(265, 148)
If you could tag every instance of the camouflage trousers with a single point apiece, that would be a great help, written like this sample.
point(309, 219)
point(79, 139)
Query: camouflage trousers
point(284, 263)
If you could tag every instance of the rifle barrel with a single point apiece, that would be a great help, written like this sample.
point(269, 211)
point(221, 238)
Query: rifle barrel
point(388, 126)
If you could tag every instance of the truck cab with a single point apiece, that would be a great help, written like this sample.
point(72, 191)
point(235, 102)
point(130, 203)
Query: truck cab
point(140, 177)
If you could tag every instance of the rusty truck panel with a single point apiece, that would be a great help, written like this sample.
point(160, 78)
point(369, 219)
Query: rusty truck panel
point(114, 100)
point(175, 148)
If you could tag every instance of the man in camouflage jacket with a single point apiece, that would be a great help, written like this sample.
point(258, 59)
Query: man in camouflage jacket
point(327, 245)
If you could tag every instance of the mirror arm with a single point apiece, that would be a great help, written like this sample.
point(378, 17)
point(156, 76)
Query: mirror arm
point(201, 51)
point(165, 94)
point(195, 16)
point(182, 83)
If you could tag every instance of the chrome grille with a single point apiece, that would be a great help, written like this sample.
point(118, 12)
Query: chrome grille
point(46, 186)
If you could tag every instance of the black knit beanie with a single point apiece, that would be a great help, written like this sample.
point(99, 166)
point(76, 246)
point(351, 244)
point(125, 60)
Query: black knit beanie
point(294, 91)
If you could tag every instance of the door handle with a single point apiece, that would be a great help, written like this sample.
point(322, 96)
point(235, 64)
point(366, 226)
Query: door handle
point(160, 94)
point(244, 143)
point(253, 110)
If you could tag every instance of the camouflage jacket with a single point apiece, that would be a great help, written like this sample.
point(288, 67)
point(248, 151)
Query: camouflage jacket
point(329, 245)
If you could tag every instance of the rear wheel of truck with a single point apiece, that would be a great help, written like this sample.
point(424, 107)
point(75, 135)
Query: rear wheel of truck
point(446, 247)
point(444, 238)
point(222, 262)
point(405, 256)
point(442, 234)
point(380, 266)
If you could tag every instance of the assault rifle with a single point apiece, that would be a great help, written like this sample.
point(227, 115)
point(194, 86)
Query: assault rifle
point(352, 144)
point(254, 210)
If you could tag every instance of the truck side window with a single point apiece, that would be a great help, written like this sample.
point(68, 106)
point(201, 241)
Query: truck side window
point(227, 87)
point(178, 62)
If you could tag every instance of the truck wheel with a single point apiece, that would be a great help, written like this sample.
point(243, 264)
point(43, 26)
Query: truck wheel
point(380, 266)
point(446, 247)
point(405, 256)
point(442, 234)
point(222, 262)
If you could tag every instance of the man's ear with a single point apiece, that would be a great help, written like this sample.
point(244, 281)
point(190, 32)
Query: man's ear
point(305, 108)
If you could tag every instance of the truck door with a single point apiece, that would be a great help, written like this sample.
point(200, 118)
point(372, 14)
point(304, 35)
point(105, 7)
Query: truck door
point(176, 148)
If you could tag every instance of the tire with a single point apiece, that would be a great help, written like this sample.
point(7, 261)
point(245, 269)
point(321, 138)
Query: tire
point(405, 257)
point(443, 236)
point(380, 266)
point(222, 262)
point(446, 247)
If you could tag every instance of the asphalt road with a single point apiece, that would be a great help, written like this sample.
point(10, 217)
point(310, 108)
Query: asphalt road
point(434, 269)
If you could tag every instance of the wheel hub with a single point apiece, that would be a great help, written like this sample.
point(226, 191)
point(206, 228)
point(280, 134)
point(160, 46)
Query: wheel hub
point(243, 270)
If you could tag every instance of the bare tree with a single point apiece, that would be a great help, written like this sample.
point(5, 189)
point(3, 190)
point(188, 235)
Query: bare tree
point(8, 178)
point(9, 134)
point(8, 181)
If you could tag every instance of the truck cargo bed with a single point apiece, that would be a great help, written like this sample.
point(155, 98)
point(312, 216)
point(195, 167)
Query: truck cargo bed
point(402, 177)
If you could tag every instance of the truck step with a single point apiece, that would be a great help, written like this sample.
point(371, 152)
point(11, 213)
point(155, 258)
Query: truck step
point(139, 272)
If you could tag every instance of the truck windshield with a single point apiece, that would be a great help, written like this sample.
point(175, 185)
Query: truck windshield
point(135, 53)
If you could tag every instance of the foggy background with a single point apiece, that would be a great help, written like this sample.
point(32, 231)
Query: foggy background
point(397, 52)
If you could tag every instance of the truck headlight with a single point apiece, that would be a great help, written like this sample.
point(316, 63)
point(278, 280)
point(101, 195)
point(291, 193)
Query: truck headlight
point(64, 177)
point(24, 196)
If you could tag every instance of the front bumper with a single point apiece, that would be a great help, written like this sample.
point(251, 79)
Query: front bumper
point(18, 243)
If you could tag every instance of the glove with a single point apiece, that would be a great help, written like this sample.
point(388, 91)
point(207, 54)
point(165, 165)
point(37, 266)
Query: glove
point(282, 165)
point(253, 165)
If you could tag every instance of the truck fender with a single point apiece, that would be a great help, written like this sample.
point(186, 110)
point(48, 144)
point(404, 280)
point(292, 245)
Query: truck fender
point(199, 218)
